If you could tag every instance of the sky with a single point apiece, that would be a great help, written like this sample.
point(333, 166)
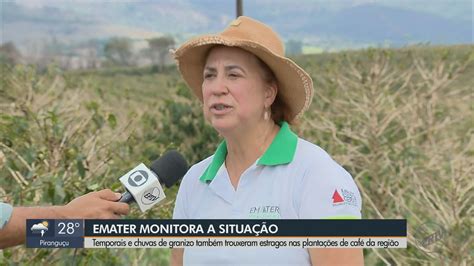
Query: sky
point(435, 6)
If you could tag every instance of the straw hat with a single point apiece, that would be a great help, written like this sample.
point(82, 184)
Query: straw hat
point(295, 87)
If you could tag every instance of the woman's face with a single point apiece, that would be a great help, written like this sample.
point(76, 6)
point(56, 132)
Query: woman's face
point(235, 94)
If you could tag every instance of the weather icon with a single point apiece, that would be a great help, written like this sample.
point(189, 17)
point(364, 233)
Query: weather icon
point(40, 228)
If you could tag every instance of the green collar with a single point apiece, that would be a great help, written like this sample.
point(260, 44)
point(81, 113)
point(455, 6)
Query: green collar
point(281, 151)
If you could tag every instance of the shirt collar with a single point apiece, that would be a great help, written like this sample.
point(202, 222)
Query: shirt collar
point(281, 151)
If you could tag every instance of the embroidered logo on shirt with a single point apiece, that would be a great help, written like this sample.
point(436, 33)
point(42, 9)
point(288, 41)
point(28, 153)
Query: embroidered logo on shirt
point(347, 198)
point(264, 212)
point(336, 198)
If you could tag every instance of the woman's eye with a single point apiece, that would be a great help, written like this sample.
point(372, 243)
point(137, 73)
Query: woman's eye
point(234, 75)
point(208, 75)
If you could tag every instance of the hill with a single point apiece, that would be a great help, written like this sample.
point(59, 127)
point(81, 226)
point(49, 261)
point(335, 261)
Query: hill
point(335, 25)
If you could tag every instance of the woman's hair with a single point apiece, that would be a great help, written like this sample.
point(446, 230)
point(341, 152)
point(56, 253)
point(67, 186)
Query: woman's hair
point(279, 110)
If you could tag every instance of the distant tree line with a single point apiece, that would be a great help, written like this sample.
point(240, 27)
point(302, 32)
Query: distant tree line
point(294, 47)
point(9, 54)
point(117, 51)
point(113, 52)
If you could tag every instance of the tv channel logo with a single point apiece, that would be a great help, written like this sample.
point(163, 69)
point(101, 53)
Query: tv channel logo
point(151, 195)
point(138, 178)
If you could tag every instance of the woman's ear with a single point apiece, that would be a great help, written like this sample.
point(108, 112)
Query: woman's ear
point(270, 93)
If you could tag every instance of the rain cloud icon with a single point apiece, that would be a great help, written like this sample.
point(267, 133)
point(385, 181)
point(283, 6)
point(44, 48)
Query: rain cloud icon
point(40, 228)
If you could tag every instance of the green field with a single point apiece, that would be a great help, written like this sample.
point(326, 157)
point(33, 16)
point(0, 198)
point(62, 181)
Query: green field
point(399, 120)
point(312, 50)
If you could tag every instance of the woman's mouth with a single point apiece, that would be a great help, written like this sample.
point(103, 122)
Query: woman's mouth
point(220, 108)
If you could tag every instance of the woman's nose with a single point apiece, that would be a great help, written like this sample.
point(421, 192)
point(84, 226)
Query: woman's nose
point(219, 87)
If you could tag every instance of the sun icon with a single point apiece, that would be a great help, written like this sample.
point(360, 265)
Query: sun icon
point(45, 223)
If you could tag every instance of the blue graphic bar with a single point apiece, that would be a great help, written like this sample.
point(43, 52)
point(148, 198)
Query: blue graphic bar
point(50, 233)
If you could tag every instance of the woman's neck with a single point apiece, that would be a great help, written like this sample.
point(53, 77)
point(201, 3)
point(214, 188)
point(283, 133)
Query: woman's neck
point(243, 148)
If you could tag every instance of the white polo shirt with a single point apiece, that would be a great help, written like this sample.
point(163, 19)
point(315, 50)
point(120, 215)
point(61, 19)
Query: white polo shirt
point(293, 179)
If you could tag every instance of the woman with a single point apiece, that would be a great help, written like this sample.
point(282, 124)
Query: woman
point(262, 170)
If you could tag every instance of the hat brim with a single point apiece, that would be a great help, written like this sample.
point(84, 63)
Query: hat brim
point(295, 85)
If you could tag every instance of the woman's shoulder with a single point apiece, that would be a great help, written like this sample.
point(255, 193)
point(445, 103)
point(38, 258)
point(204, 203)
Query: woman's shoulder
point(308, 151)
point(317, 162)
point(202, 165)
point(326, 182)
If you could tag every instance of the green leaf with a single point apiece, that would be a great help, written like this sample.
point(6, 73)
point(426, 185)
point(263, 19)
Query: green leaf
point(98, 120)
point(92, 106)
point(93, 187)
point(80, 166)
point(115, 186)
point(59, 191)
point(112, 121)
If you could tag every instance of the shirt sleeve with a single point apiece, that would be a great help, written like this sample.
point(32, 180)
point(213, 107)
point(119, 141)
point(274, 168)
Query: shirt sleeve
point(329, 192)
point(5, 213)
point(190, 184)
point(181, 203)
point(179, 207)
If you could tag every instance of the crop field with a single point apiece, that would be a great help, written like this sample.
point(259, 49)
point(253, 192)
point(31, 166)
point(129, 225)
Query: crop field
point(401, 121)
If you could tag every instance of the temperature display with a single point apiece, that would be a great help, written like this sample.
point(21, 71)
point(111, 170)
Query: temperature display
point(68, 228)
point(50, 233)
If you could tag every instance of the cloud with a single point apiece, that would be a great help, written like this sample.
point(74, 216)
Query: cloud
point(39, 226)
point(43, 3)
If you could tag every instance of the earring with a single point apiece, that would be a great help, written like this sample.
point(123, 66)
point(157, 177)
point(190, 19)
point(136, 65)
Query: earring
point(266, 116)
